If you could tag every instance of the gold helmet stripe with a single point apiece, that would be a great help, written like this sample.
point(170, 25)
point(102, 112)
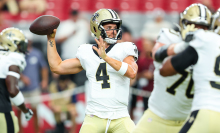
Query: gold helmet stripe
point(112, 13)
point(202, 12)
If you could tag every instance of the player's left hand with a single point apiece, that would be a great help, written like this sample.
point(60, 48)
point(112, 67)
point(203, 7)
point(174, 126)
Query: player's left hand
point(28, 115)
point(101, 50)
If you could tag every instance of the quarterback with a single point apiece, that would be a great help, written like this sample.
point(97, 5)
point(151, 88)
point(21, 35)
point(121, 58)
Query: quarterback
point(171, 99)
point(14, 46)
point(109, 67)
point(203, 53)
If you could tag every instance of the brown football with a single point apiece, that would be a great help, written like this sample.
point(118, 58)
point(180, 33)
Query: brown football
point(44, 25)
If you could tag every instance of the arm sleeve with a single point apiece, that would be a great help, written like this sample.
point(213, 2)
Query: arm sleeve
point(161, 53)
point(79, 55)
point(184, 59)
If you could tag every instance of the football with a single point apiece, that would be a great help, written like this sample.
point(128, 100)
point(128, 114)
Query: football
point(44, 25)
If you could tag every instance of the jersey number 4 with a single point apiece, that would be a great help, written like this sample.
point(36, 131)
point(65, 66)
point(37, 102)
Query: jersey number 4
point(101, 75)
point(172, 88)
point(217, 72)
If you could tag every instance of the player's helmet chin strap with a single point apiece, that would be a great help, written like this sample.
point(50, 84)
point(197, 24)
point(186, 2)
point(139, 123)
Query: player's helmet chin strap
point(110, 41)
point(114, 40)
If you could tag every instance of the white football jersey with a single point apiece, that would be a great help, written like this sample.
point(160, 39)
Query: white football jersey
point(107, 96)
point(171, 98)
point(11, 58)
point(206, 72)
point(6, 60)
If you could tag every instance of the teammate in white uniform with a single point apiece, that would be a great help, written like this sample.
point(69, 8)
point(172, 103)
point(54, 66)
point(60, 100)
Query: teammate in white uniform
point(203, 53)
point(109, 67)
point(171, 99)
point(13, 47)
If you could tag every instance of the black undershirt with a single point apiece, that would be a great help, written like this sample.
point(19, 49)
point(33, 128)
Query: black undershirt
point(184, 59)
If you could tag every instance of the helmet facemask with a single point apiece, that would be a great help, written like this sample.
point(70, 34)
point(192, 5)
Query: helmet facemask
point(22, 46)
point(115, 37)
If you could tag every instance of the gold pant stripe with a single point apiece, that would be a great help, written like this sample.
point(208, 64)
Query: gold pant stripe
point(9, 123)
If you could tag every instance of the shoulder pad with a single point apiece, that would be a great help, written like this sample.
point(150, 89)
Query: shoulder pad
point(168, 36)
point(84, 45)
point(202, 37)
point(17, 59)
point(131, 49)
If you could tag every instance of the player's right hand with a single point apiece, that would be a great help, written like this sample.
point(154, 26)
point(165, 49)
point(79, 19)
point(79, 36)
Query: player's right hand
point(29, 115)
point(189, 28)
point(52, 35)
point(101, 50)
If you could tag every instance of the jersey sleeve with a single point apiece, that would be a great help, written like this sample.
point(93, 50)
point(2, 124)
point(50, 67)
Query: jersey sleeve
point(79, 55)
point(132, 50)
point(17, 59)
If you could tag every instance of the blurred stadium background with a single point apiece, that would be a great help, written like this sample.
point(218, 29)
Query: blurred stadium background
point(141, 19)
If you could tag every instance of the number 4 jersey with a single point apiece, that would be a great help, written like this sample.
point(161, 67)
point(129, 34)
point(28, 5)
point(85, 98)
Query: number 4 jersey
point(206, 72)
point(171, 98)
point(107, 96)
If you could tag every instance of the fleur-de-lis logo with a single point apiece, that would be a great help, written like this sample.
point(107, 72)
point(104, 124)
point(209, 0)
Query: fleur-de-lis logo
point(96, 15)
point(10, 34)
point(191, 119)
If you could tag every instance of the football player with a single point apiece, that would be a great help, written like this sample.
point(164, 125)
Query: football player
point(109, 67)
point(203, 53)
point(171, 99)
point(12, 63)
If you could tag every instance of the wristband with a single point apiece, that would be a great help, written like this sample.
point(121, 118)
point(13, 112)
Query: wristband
point(180, 47)
point(14, 74)
point(123, 69)
point(18, 99)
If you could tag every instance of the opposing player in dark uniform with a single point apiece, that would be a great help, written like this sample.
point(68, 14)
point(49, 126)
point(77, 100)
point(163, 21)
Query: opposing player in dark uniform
point(14, 46)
